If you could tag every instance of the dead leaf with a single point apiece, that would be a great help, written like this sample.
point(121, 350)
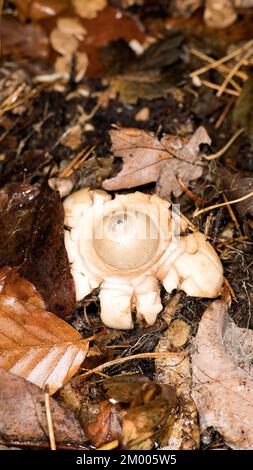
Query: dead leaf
point(147, 159)
point(144, 85)
point(104, 422)
point(72, 26)
point(143, 114)
point(238, 185)
point(148, 412)
point(178, 333)
point(39, 9)
point(185, 8)
point(34, 343)
point(243, 114)
point(181, 433)
point(23, 40)
point(72, 137)
point(220, 14)
point(124, 388)
point(89, 8)
point(32, 235)
point(63, 43)
point(153, 74)
point(118, 26)
point(223, 376)
point(135, 420)
point(14, 285)
point(23, 416)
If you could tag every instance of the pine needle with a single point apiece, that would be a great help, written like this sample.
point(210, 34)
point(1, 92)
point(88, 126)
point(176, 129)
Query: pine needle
point(223, 150)
point(222, 204)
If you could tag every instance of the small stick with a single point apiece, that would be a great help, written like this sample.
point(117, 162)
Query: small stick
point(120, 360)
point(231, 212)
point(229, 91)
point(49, 420)
point(224, 113)
point(223, 150)
point(232, 240)
point(218, 62)
point(77, 161)
point(232, 72)
point(189, 193)
point(72, 163)
point(84, 158)
point(230, 288)
point(222, 204)
point(222, 68)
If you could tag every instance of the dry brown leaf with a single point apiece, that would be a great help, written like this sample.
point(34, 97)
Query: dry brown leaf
point(34, 343)
point(104, 422)
point(63, 43)
point(147, 159)
point(13, 285)
point(220, 14)
point(185, 8)
point(23, 40)
point(72, 137)
point(39, 9)
point(148, 413)
point(223, 376)
point(32, 238)
point(72, 26)
point(23, 416)
point(89, 8)
point(181, 433)
point(236, 186)
point(178, 333)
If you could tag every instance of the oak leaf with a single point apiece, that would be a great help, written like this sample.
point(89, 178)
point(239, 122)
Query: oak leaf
point(147, 159)
point(34, 343)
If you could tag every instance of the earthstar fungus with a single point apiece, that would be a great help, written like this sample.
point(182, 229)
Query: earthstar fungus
point(126, 245)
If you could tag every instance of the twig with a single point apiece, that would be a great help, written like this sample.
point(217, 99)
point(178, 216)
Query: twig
point(120, 360)
point(222, 67)
point(226, 58)
point(221, 152)
point(232, 240)
point(49, 420)
point(232, 72)
point(231, 212)
point(222, 204)
point(77, 161)
point(230, 288)
point(189, 193)
point(213, 86)
point(224, 113)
